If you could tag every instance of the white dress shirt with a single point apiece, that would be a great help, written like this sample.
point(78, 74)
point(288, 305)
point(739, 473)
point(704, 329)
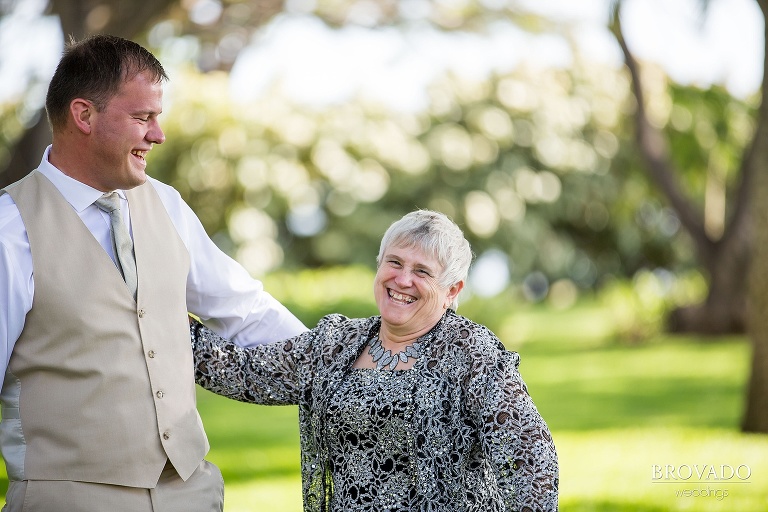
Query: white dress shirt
point(219, 290)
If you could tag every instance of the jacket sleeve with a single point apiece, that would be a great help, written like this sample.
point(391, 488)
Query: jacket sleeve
point(515, 439)
point(269, 374)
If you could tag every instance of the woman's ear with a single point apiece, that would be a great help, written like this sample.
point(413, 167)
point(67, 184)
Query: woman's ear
point(453, 291)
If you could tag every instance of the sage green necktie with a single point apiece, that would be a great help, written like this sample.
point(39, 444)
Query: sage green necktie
point(121, 240)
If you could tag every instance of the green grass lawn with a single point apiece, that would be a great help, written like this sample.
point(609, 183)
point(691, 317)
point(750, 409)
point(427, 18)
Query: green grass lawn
point(616, 411)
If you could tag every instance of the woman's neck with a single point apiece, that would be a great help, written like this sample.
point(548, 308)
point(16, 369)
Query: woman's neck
point(391, 337)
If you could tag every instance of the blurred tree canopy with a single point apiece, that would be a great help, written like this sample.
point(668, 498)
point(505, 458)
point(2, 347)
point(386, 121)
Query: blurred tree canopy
point(539, 165)
point(533, 164)
point(219, 30)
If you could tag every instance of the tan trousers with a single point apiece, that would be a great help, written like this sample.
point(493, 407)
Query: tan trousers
point(202, 492)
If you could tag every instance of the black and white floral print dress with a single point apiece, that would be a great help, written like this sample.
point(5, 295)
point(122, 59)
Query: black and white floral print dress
point(456, 433)
point(370, 441)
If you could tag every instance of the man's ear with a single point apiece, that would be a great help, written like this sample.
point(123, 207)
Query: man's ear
point(80, 112)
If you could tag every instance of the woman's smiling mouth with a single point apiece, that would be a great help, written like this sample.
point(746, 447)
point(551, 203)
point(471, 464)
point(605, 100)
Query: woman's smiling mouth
point(399, 297)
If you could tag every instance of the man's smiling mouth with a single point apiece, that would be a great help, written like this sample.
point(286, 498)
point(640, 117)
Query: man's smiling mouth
point(139, 154)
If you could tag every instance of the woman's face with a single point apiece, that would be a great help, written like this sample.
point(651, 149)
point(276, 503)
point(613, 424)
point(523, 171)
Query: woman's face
point(407, 291)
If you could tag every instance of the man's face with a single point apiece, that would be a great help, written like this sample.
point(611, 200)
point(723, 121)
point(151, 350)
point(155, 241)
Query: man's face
point(123, 133)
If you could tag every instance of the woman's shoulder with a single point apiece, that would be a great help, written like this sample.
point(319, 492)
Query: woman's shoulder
point(472, 332)
point(337, 320)
point(336, 327)
point(476, 338)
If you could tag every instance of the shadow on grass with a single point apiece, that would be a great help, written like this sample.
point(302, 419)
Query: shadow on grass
point(609, 506)
point(240, 474)
point(589, 405)
point(675, 384)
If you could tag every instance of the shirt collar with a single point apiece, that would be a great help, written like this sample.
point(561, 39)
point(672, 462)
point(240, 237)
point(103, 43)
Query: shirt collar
point(78, 194)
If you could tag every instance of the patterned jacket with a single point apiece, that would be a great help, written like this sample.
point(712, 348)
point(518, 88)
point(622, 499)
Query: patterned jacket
point(480, 443)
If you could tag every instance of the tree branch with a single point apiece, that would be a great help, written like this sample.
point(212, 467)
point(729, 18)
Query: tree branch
point(654, 148)
point(755, 158)
point(124, 19)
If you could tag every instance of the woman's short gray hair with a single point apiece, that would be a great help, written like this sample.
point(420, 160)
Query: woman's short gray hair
point(437, 235)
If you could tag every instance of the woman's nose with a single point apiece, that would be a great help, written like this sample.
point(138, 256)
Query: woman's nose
point(403, 278)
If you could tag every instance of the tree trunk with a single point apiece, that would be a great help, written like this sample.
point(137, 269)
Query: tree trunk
point(726, 260)
point(756, 411)
point(725, 309)
point(27, 151)
point(738, 262)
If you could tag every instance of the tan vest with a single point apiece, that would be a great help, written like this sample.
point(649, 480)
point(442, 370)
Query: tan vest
point(106, 386)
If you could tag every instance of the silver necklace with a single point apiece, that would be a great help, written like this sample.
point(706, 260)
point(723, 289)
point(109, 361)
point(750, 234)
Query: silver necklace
point(383, 357)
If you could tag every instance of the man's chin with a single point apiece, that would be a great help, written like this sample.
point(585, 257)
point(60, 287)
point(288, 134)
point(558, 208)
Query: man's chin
point(139, 178)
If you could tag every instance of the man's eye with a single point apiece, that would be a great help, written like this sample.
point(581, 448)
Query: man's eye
point(143, 119)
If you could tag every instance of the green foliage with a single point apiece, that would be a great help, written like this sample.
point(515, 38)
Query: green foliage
point(632, 310)
point(312, 294)
point(640, 307)
point(539, 164)
point(12, 122)
point(710, 130)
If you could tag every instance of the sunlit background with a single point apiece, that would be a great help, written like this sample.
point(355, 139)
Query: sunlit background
point(318, 137)
point(299, 131)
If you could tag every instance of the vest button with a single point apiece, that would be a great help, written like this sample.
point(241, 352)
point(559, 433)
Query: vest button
point(160, 394)
point(151, 354)
point(166, 435)
point(141, 313)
